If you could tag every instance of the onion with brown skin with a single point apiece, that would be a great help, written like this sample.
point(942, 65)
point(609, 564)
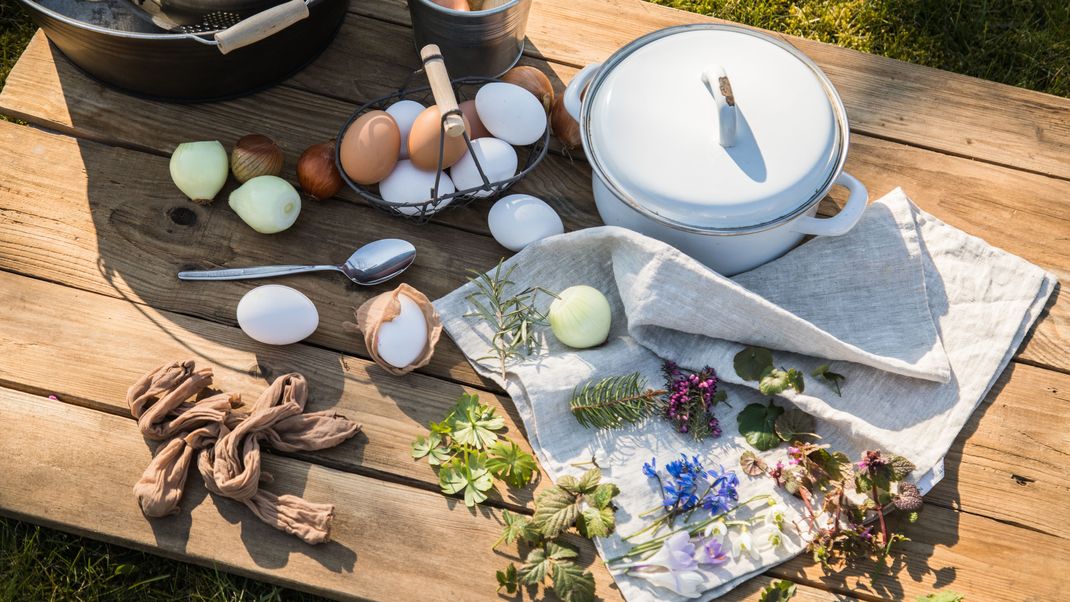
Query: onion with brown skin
point(534, 81)
point(255, 155)
point(317, 171)
point(563, 126)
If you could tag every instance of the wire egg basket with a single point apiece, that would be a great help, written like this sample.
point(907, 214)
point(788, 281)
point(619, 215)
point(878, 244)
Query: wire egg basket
point(463, 89)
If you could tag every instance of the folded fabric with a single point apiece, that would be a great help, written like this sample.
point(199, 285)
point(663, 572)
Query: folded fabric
point(227, 444)
point(920, 317)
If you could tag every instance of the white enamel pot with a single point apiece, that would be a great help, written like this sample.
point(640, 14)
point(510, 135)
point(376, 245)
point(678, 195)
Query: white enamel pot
point(716, 139)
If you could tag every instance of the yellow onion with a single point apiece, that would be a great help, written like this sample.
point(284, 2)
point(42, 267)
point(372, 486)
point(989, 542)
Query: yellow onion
point(563, 126)
point(268, 204)
point(317, 171)
point(199, 169)
point(534, 81)
point(255, 155)
point(580, 317)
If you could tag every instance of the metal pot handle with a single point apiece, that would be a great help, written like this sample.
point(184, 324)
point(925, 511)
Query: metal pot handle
point(261, 25)
point(575, 88)
point(843, 221)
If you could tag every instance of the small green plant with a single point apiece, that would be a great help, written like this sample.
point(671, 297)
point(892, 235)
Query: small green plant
point(778, 591)
point(756, 364)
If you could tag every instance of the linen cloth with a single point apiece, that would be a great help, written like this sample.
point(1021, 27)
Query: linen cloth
point(919, 316)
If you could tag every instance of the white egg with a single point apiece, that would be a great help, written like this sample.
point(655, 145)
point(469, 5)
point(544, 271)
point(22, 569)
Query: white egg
point(496, 157)
point(277, 315)
point(404, 112)
point(518, 220)
point(410, 184)
point(403, 339)
point(511, 113)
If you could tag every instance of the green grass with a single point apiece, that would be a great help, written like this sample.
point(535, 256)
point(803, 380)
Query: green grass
point(1019, 42)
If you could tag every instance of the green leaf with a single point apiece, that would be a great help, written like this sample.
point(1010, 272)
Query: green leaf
point(863, 484)
point(615, 401)
point(508, 462)
point(778, 591)
point(471, 477)
point(832, 379)
point(944, 596)
point(507, 579)
point(555, 511)
point(596, 522)
point(757, 425)
point(751, 464)
point(517, 527)
point(589, 481)
point(901, 467)
point(603, 495)
point(535, 567)
point(752, 362)
point(775, 381)
point(474, 423)
point(572, 583)
point(795, 424)
point(431, 448)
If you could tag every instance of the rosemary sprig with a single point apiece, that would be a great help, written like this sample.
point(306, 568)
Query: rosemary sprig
point(512, 317)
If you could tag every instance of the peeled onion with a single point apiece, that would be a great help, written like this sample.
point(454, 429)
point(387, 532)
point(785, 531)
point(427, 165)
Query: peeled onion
point(580, 317)
point(199, 169)
point(534, 81)
point(563, 126)
point(268, 204)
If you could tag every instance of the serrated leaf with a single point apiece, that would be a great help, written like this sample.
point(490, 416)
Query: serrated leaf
point(572, 583)
point(596, 522)
point(752, 465)
point(832, 379)
point(752, 362)
point(775, 381)
point(535, 567)
point(778, 591)
point(863, 484)
point(757, 425)
point(555, 511)
point(603, 495)
point(450, 477)
point(517, 526)
point(901, 467)
point(795, 380)
point(475, 424)
point(507, 579)
point(556, 551)
point(795, 424)
point(589, 481)
point(422, 446)
point(508, 462)
point(471, 477)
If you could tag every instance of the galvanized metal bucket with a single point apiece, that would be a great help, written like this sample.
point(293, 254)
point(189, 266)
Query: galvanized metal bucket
point(483, 43)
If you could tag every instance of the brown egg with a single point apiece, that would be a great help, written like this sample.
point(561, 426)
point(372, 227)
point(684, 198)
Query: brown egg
point(478, 130)
point(370, 147)
point(454, 4)
point(424, 141)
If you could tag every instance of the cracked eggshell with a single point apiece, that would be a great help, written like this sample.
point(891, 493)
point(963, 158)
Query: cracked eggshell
point(400, 328)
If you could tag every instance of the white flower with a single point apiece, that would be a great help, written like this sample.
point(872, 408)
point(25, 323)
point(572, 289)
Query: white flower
point(775, 540)
point(717, 530)
point(689, 584)
point(742, 543)
point(776, 514)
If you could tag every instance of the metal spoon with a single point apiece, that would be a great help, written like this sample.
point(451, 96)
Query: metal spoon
point(373, 263)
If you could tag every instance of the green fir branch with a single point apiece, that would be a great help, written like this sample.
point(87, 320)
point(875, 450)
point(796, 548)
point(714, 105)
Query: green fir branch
point(615, 401)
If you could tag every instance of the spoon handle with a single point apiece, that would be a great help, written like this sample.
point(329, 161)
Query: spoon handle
point(246, 273)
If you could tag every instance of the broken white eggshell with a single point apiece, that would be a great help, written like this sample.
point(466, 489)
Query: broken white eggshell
point(518, 220)
point(277, 315)
point(401, 329)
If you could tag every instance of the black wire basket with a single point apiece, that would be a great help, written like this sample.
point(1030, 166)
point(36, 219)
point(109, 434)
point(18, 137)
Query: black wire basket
point(420, 212)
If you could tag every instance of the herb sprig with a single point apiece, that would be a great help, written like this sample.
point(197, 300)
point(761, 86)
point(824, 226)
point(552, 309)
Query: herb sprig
point(512, 316)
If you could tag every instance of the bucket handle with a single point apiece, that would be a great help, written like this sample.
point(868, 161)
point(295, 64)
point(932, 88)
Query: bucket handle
point(259, 26)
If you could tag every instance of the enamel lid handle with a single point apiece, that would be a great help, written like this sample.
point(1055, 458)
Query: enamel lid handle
point(716, 81)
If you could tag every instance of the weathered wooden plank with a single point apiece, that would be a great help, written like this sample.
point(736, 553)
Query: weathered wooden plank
point(91, 361)
point(390, 541)
point(1015, 437)
point(922, 106)
point(1024, 213)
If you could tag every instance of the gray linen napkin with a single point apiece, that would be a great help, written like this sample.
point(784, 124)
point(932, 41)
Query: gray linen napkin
point(919, 316)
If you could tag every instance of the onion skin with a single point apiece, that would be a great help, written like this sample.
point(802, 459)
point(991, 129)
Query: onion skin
point(317, 171)
point(255, 155)
point(563, 126)
point(534, 81)
point(199, 169)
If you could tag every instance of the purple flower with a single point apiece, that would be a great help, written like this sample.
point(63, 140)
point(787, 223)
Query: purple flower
point(711, 552)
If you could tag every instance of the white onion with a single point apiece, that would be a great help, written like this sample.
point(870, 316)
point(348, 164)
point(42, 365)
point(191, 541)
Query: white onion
point(268, 204)
point(200, 169)
point(580, 317)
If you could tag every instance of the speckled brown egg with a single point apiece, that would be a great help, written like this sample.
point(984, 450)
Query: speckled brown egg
point(370, 147)
point(424, 141)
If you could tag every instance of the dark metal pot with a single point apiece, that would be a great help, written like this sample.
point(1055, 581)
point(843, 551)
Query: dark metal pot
point(112, 42)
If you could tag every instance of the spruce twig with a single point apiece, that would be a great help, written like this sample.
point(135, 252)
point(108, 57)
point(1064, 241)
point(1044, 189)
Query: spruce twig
point(615, 401)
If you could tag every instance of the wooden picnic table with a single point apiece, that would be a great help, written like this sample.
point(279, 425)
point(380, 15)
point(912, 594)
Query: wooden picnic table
point(92, 232)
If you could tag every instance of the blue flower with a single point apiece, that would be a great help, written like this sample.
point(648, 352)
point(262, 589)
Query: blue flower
point(650, 469)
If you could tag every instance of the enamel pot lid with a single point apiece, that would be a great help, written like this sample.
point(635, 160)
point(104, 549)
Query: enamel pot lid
point(714, 128)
